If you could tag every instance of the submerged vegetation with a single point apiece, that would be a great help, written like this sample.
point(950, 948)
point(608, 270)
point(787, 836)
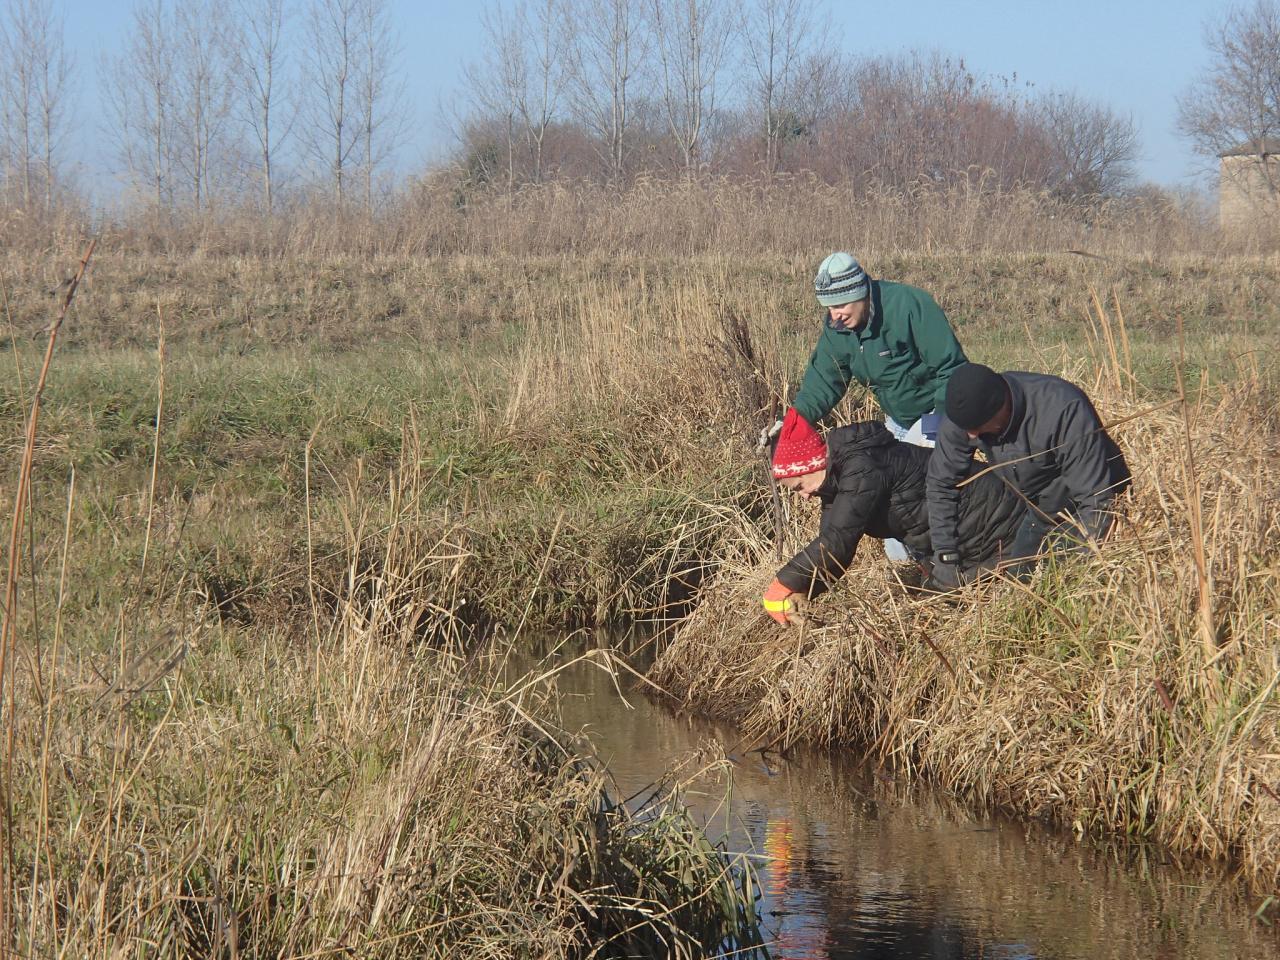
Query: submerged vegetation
point(277, 504)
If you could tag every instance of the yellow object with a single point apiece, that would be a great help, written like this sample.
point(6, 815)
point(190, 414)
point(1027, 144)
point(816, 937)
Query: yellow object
point(777, 601)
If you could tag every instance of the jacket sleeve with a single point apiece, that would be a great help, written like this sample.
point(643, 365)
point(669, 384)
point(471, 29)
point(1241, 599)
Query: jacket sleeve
point(826, 380)
point(936, 343)
point(1084, 456)
point(814, 569)
point(948, 465)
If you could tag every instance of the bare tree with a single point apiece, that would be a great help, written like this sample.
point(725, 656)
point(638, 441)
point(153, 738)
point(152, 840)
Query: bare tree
point(382, 105)
point(545, 28)
point(332, 130)
point(498, 80)
point(1236, 101)
point(353, 113)
point(692, 38)
point(778, 39)
point(33, 97)
point(260, 65)
point(606, 57)
point(819, 89)
point(140, 101)
point(202, 97)
point(1094, 148)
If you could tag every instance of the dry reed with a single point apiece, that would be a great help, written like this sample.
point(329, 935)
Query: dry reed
point(675, 218)
point(178, 785)
point(381, 789)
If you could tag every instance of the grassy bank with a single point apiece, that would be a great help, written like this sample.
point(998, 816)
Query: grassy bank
point(249, 713)
point(581, 421)
point(360, 781)
point(261, 797)
point(249, 547)
point(1136, 691)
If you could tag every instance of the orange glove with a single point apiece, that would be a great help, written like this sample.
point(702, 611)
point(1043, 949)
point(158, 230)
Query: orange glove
point(777, 602)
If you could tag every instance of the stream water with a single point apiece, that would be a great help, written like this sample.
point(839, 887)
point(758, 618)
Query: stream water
point(854, 865)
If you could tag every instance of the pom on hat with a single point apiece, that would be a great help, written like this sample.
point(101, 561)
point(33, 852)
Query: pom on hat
point(800, 449)
point(840, 280)
point(975, 394)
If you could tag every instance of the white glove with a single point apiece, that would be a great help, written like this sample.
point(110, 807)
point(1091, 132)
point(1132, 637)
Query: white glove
point(767, 434)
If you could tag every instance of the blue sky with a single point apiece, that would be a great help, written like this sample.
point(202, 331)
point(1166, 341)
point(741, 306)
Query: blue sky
point(1136, 55)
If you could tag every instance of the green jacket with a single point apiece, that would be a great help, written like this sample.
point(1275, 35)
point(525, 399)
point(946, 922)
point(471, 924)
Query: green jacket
point(904, 353)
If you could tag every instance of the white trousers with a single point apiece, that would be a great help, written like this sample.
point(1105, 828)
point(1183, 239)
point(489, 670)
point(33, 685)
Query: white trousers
point(895, 549)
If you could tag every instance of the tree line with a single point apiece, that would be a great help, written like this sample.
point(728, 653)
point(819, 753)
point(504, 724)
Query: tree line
point(210, 102)
point(217, 104)
point(612, 89)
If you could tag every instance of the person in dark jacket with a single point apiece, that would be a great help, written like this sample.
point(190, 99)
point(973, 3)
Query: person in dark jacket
point(873, 485)
point(1044, 438)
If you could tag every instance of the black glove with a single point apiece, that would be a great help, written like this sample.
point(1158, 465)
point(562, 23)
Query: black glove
point(944, 577)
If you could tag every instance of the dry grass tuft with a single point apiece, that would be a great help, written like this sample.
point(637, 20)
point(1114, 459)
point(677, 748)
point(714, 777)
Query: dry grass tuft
point(657, 217)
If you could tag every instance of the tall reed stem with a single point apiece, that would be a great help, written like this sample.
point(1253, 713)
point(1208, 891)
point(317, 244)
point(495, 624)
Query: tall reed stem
point(8, 633)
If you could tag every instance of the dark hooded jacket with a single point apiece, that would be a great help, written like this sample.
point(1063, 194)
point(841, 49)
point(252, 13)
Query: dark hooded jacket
point(1054, 450)
point(875, 485)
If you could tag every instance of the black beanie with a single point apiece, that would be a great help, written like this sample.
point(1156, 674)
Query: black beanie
point(975, 394)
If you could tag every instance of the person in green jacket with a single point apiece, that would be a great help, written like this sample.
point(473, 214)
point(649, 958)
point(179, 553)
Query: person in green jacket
point(890, 337)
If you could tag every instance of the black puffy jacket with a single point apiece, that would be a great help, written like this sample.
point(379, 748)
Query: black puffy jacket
point(876, 485)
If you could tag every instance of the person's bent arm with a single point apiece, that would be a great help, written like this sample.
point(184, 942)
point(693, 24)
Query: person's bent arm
point(1085, 458)
point(814, 569)
point(826, 380)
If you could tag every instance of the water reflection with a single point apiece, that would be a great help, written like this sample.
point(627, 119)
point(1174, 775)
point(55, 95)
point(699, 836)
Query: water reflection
point(853, 867)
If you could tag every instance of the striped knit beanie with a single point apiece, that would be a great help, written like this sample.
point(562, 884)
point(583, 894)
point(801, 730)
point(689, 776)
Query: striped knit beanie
point(800, 449)
point(840, 280)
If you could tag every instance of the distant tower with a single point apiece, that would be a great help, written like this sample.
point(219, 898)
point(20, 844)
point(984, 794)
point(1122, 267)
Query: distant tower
point(1249, 183)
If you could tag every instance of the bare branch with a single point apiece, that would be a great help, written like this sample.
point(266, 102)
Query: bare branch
point(260, 68)
point(611, 45)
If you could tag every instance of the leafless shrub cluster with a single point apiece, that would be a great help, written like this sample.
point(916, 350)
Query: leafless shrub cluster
point(660, 87)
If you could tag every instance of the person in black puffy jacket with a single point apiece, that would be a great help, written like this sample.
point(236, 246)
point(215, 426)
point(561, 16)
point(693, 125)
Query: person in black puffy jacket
point(873, 485)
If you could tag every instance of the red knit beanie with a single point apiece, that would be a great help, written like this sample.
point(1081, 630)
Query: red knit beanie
point(800, 448)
